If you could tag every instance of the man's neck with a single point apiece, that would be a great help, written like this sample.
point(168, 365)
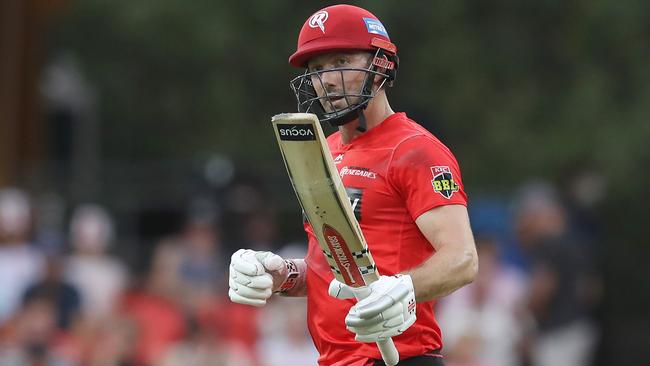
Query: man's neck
point(377, 111)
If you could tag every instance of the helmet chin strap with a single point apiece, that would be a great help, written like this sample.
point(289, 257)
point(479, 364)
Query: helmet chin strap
point(362, 127)
point(357, 114)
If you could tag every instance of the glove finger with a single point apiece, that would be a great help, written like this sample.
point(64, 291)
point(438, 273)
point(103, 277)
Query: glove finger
point(366, 339)
point(259, 282)
point(372, 308)
point(270, 261)
point(396, 322)
point(238, 253)
point(398, 327)
point(407, 324)
point(398, 292)
point(247, 264)
point(340, 290)
point(251, 293)
point(363, 331)
point(354, 320)
point(379, 336)
point(235, 297)
point(390, 328)
point(393, 323)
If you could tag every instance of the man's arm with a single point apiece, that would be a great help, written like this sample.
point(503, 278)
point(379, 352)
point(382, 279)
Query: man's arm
point(390, 308)
point(299, 288)
point(455, 262)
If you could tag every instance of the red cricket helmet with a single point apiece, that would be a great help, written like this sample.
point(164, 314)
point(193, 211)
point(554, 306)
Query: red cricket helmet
point(337, 28)
point(342, 28)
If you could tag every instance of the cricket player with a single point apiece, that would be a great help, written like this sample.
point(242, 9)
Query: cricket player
point(406, 191)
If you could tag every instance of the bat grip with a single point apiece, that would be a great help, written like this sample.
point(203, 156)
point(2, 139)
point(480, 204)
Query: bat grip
point(388, 352)
point(387, 348)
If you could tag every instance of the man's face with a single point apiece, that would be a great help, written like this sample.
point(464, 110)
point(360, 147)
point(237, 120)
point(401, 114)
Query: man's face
point(334, 83)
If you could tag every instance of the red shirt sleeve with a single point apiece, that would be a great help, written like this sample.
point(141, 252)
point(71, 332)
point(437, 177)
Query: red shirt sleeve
point(426, 174)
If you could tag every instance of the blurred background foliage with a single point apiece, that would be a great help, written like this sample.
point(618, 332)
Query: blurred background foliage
point(517, 89)
point(529, 87)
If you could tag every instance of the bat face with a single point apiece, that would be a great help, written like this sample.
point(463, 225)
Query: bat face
point(323, 198)
point(326, 205)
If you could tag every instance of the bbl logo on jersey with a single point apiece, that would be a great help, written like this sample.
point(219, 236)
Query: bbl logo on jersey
point(443, 181)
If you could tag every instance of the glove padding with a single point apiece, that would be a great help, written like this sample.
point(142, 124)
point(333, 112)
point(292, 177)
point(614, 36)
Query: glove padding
point(387, 311)
point(254, 276)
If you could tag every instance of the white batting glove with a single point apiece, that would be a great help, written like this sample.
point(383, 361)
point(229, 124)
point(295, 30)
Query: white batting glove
point(388, 311)
point(253, 275)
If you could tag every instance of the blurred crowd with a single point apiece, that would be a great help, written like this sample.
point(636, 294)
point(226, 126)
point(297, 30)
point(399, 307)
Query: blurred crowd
point(537, 297)
point(71, 301)
point(67, 298)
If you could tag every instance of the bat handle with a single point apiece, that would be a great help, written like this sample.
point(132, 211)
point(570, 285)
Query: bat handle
point(388, 352)
point(387, 348)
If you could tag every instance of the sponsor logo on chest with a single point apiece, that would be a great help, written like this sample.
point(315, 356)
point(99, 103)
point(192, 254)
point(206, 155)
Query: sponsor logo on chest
point(357, 172)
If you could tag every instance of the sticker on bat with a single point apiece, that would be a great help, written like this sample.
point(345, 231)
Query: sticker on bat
point(343, 257)
point(296, 132)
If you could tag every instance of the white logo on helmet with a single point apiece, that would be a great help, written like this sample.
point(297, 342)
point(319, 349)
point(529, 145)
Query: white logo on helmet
point(318, 20)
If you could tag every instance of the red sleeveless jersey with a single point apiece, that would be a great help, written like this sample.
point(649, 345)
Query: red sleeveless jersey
point(393, 173)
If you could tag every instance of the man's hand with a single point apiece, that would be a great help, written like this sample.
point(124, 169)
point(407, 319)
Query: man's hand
point(387, 311)
point(254, 276)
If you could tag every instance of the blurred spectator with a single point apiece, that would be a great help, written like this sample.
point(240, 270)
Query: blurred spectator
point(32, 338)
point(483, 322)
point(113, 343)
point(202, 347)
point(244, 198)
point(49, 226)
point(583, 192)
point(201, 270)
point(283, 323)
point(195, 261)
point(283, 326)
point(561, 280)
point(20, 263)
point(259, 231)
point(99, 277)
point(64, 297)
point(155, 309)
point(234, 326)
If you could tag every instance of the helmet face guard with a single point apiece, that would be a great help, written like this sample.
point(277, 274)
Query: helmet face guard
point(323, 106)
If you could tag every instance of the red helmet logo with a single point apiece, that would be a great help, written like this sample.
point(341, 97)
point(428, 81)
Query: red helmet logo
point(318, 20)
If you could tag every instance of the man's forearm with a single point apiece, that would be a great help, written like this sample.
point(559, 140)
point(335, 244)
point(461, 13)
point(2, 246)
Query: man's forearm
point(444, 272)
point(300, 287)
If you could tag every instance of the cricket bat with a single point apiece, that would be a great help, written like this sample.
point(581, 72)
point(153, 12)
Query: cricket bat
point(326, 205)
